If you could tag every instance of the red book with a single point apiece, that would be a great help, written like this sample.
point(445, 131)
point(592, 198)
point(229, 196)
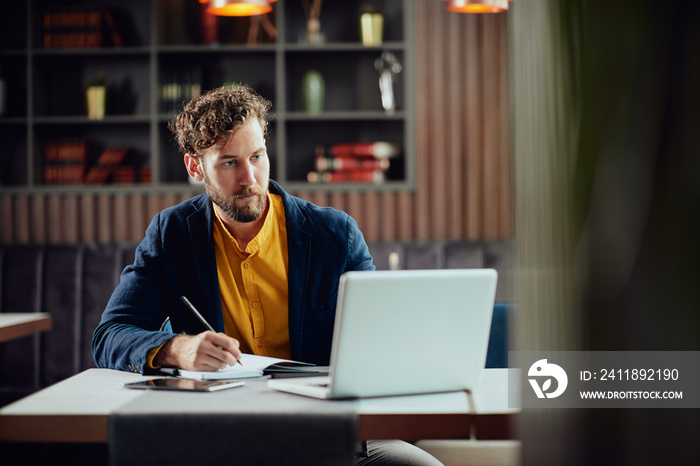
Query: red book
point(106, 164)
point(112, 29)
point(377, 149)
point(124, 175)
point(324, 164)
point(145, 175)
point(64, 161)
point(355, 176)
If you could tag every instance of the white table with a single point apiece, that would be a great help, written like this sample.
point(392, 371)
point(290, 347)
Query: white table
point(78, 409)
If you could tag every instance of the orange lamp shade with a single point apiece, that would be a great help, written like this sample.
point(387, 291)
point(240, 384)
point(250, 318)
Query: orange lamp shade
point(238, 7)
point(477, 6)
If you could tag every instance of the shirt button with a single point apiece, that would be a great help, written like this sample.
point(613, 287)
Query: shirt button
point(260, 344)
point(246, 265)
point(254, 304)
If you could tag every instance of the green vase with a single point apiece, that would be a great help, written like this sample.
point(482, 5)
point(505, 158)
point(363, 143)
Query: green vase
point(313, 92)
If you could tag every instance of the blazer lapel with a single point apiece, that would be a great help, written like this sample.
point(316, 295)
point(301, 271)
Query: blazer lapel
point(298, 248)
point(199, 225)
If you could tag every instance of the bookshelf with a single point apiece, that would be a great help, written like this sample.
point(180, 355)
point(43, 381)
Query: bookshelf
point(164, 56)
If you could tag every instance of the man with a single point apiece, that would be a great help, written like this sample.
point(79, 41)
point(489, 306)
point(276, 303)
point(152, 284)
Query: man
point(260, 265)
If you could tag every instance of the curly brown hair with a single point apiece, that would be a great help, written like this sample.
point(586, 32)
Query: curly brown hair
point(211, 118)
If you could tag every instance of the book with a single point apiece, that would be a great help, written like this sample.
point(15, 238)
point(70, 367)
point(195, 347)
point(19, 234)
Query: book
point(357, 162)
point(251, 365)
point(375, 149)
point(353, 176)
point(124, 175)
point(180, 85)
point(145, 175)
point(106, 164)
point(64, 161)
point(324, 164)
point(79, 26)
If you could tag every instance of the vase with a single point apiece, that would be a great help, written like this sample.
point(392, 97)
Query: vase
point(313, 32)
point(313, 90)
point(371, 26)
point(96, 96)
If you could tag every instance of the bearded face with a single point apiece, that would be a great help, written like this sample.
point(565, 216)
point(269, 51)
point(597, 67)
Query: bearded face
point(245, 206)
point(237, 174)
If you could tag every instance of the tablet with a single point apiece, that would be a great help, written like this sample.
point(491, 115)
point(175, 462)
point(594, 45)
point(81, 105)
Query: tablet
point(167, 383)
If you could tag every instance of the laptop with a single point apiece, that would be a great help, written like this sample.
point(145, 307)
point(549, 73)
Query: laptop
point(405, 332)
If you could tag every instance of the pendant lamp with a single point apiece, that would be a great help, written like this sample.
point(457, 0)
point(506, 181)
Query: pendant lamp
point(238, 7)
point(478, 6)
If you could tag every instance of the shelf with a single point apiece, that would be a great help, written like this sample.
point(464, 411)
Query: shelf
point(13, 121)
point(216, 49)
point(90, 189)
point(83, 120)
point(13, 53)
point(162, 63)
point(92, 52)
point(394, 186)
point(342, 47)
point(368, 115)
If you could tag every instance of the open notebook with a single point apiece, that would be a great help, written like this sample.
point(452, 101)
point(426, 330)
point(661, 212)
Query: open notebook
point(405, 332)
point(251, 366)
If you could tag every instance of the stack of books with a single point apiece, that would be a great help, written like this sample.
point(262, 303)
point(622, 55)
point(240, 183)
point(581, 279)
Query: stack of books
point(357, 162)
point(79, 26)
point(145, 175)
point(64, 161)
point(106, 165)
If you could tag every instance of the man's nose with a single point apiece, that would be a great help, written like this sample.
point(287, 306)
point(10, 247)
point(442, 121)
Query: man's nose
point(247, 174)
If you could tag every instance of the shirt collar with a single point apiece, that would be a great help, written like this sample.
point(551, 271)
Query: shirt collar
point(260, 238)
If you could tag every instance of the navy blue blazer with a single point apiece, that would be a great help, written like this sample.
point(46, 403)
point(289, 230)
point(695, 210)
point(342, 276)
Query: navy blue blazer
point(176, 257)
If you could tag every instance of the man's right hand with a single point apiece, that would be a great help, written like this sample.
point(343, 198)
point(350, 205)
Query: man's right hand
point(208, 351)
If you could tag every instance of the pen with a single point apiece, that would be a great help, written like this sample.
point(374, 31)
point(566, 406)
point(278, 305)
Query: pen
point(199, 316)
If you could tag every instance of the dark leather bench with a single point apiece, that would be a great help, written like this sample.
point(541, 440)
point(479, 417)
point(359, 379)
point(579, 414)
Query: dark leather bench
point(74, 282)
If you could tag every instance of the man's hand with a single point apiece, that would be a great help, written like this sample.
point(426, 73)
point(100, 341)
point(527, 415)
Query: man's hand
point(208, 351)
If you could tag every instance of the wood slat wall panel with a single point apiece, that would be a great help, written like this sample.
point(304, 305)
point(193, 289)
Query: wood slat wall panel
point(388, 218)
point(39, 220)
point(463, 166)
point(422, 79)
point(22, 219)
point(338, 201)
point(406, 217)
point(88, 223)
point(473, 123)
point(54, 208)
point(437, 122)
point(137, 214)
point(105, 217)
point(354, 209)
point(505, 172)
point(120, 229)
point(70, 221)
point(491, 110)
point(456, 94)
point(7, 227)
point(371, 212)
point(152, 206)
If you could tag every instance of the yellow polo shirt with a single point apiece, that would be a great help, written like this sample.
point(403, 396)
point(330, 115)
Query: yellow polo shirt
point(253, 283)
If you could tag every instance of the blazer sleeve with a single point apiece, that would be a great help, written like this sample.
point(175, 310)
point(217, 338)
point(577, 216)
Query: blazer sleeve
point(130, 323)
point(359, 257)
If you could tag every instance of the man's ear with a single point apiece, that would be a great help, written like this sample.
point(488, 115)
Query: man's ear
point(194, 167)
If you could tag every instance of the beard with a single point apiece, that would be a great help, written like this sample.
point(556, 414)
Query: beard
point(246, 213)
